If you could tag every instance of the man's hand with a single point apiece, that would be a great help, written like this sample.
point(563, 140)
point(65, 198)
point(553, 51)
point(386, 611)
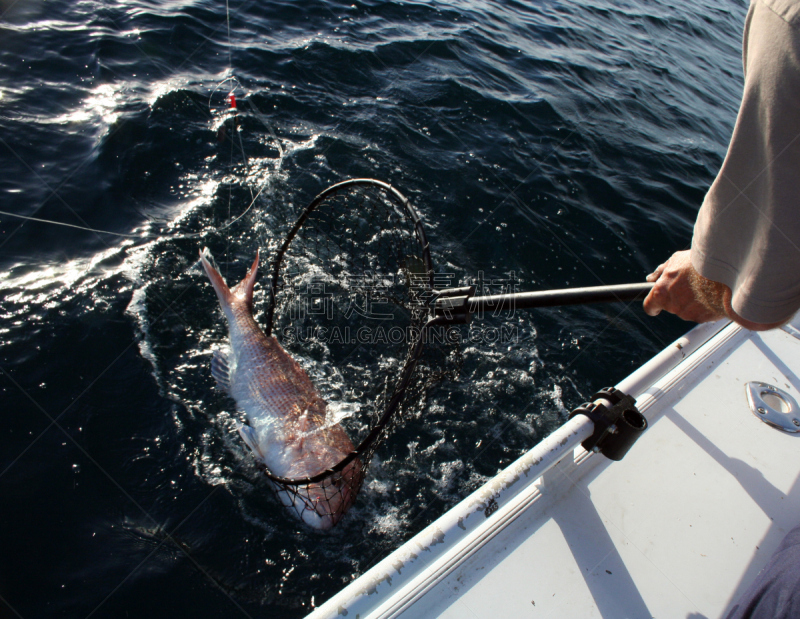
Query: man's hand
point(680, 290)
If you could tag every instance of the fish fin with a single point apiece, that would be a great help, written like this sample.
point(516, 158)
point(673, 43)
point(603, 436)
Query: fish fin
point(244, 289)
point(250, 439)
point(312, 418)
point(220, 370)
point(220, 287)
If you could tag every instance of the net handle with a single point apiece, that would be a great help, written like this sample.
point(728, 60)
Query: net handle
point(419, 231)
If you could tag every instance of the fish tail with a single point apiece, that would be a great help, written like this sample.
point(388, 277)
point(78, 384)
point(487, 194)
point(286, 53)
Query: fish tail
point(220, 287)
point(244, 289)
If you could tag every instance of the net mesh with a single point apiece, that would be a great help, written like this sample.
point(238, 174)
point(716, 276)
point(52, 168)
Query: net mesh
point(351, 287)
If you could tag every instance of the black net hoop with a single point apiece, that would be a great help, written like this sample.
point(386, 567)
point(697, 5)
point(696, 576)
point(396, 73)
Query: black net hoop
point(356, 260)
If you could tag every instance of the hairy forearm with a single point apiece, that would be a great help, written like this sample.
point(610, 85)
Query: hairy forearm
point(710, 294)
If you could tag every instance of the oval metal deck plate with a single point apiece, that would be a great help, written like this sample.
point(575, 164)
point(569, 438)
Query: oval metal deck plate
point(773, 406)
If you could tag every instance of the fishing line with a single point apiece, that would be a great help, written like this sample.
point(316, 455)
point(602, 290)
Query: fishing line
point(141, 236)
point(233, 107)
point(151, 236)
point(66, 225)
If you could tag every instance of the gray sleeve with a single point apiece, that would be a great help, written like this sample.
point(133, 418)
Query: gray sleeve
point(747, 233)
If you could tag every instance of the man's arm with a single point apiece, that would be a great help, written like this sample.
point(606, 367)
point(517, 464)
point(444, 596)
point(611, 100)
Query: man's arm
point(681, 290)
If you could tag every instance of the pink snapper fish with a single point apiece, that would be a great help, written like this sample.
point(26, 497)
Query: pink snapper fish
point(288, 429)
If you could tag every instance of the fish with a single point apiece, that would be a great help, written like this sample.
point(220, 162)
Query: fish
point(288, 429)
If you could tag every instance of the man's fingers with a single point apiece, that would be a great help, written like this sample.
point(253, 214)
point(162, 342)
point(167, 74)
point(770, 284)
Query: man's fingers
point(652, 302)
point(657, 273)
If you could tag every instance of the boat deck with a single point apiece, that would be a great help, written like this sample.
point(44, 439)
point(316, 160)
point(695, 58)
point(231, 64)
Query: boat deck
point(678, 528)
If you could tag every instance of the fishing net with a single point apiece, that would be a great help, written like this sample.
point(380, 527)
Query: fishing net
point(351, 288)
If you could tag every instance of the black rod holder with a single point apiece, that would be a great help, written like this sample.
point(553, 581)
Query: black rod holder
point(617, 423)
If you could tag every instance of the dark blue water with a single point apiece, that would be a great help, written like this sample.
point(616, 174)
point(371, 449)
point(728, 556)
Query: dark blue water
point(568, 143)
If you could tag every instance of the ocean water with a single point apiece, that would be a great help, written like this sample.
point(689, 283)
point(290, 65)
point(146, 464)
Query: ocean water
point(558, 143)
